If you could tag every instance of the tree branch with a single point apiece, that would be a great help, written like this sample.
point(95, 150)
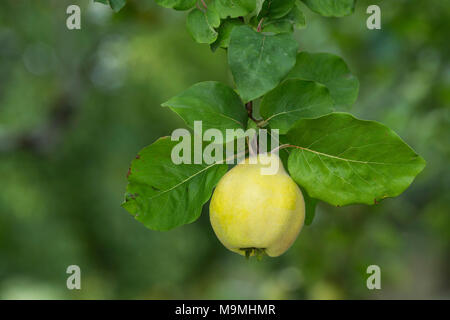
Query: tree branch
point(249, 107)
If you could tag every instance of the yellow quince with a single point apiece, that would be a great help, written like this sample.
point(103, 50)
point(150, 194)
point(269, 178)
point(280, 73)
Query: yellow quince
point(257, 207)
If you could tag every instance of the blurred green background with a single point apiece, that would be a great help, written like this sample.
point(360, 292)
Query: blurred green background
point(77, 106)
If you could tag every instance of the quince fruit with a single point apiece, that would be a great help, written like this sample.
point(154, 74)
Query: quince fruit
point(257, 208)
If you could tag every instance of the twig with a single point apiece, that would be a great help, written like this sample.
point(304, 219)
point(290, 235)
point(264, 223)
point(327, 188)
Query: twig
point(198, 7)
point(260, 25)
point(249, 107)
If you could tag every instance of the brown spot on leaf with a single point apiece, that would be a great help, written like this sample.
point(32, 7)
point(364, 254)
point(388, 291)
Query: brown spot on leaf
point(129, 172)
point(375, 201)
point(132, 196)
point(138, 157)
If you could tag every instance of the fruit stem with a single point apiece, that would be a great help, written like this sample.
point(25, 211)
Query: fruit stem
point(249, 107)
point(258, 29)
point(258, 252)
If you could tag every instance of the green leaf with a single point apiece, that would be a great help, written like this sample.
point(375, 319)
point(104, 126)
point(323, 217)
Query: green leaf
point(234, 8)
point(310, 207)
point(177, 4)
point(282, 153)
point(292, 100)
point(163, 195)
point(223, 39)
point(255, 13)
point(331, 71)
point(215, 104)
point(259, 62)
point(201, 25)
point(274, 9)
point(343, 160)
point(331, 8)
point(295, 18)
point(116, 5)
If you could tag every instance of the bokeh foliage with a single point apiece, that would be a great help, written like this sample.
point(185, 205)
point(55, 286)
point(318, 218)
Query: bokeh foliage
point(76, 106)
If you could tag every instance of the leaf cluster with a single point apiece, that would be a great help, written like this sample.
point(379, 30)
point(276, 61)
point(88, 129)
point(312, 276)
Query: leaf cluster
point(333, 156)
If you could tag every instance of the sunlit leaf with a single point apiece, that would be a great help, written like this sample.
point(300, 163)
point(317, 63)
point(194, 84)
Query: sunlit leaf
point(176, 4)
point(274, 9)
point(116, 5)
point(223, 39)
point(292, 100)
point(343, 160)
point(163, 195)
point(215, 104)
point(295, 18)
point(331, 8)
point(234, 8)
point(329, 70)
point(201, 25)
point(258, 62)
